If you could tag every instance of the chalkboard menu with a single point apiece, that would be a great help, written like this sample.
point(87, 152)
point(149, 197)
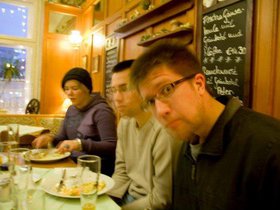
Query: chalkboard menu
point(226, 48)
point(111, 59)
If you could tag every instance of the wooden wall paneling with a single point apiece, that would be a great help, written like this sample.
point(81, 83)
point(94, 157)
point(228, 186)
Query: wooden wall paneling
point(264, 71)
point(276, 105)
point(131, 50)
point(87, 20)
point(130, 4)
point(112, 25)
point(58, 57)
point(114, 6)
point(85, 49)
point(121, 49)
point(157, 2)
point(131, 11)
point(98, 53)
point(190, 16)
point(87, 4)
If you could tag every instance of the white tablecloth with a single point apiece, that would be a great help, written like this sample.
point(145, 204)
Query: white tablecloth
point(104, 202)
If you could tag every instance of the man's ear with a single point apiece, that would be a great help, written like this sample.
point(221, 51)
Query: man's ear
point(200, 83)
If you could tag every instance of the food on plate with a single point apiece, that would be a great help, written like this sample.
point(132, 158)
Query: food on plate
point(75, 190)
point(72, 191)
point(38, 155)
point(45, 154)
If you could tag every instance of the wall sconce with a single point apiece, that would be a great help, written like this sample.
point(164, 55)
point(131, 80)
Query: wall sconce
point(75, 39)
point(98, 40)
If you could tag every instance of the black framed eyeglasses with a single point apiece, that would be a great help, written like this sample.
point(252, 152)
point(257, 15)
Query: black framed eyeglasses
point(166, 91)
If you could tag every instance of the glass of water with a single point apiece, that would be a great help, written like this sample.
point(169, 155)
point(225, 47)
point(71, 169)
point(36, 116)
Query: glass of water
point(6, 199)
point(89, 166)
point(19, 167)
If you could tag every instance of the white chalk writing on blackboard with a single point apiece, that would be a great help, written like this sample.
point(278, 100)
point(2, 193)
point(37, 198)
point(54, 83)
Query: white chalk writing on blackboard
point(218, 71)
point(212, 51)
point(223, 91)
point(228, 81)
point(225, 16)
point(224, 49)
point(214, 29)
point(240, 50)
point(216, 38)
point(228, 25)
point(235, 35)
point(223, 85)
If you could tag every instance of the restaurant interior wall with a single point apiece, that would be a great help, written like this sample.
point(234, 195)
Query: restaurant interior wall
point(265, 60)
point(58, 54)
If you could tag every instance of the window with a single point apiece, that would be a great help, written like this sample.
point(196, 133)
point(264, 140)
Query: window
point(14, 19)
point(20, 53)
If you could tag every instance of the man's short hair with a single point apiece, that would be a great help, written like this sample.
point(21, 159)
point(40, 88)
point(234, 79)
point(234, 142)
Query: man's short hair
point(171, 53)
point(123, 65)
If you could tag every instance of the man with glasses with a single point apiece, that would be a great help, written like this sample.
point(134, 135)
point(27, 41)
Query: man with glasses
point(143, 169)
point(231, 157)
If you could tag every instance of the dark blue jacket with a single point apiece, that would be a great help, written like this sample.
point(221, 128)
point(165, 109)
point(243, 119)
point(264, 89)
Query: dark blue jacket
point(238, 167)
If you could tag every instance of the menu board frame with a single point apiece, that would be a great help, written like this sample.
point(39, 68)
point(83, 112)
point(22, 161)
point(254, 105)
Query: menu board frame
point(241, 82)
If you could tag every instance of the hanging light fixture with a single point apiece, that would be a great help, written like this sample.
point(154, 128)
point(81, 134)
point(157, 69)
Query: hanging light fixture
point(75, 39)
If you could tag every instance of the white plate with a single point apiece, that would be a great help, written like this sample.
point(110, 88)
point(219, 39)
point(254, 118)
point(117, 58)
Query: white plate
point(51, 155)
point(53, 177)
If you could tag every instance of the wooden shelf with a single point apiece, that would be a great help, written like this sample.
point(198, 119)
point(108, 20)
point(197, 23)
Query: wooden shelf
point(183, 33)
point(154, 16)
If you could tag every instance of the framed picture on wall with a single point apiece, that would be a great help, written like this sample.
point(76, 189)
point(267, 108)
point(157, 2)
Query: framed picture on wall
point(95, 64)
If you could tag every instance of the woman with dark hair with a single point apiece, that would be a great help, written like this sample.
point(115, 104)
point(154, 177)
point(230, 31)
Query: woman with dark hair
point(89, 126)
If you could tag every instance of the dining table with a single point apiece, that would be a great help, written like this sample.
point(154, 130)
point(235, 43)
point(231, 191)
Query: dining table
point(104, 202)
point(41, 170)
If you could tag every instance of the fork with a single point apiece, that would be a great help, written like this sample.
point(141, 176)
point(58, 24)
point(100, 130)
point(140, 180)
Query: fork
point(60, 185)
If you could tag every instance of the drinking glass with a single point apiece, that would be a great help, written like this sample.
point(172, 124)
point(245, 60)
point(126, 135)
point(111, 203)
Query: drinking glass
point(35, 194)
point(6, 200)
point(9, 137)
point(89, 166)
point(14, 132)
point(19, 168)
